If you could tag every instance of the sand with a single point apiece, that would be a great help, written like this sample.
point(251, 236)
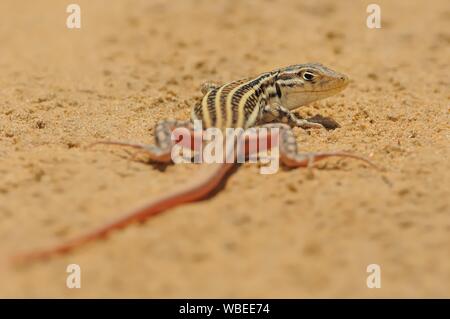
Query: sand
point(297, 233)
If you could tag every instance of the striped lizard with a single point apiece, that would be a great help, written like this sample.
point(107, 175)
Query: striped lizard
point(263, 101)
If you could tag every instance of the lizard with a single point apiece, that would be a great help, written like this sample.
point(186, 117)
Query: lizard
point(267, 100)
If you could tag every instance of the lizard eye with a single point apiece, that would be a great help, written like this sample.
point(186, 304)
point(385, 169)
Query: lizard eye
point(308, 76)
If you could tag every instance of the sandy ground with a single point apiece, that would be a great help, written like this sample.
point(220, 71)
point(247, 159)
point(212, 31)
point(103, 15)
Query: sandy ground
point(297, 233)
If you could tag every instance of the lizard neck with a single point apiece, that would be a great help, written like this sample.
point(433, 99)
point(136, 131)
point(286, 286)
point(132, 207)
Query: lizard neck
point(270, 89)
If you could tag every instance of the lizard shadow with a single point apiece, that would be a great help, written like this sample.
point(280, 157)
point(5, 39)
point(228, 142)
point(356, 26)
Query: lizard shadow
point(327, 122)
point(159, 166)
point(163, 166)
point(221, 184)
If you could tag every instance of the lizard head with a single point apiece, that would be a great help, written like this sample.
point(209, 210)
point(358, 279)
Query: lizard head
point(301, 84)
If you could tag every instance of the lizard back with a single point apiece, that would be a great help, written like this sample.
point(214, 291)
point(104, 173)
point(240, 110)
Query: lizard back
point(235, 104)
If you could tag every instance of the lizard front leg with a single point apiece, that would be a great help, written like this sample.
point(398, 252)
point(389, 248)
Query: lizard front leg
point(161, 151)
point(281, 114)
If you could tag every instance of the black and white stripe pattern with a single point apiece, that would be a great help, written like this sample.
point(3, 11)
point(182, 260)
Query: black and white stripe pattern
point(236, 104)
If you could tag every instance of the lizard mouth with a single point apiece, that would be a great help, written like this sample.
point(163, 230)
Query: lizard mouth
point(337, 88)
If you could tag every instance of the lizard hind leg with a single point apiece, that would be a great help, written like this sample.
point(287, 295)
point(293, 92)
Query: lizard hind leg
point(291, 157)
point(161, 150)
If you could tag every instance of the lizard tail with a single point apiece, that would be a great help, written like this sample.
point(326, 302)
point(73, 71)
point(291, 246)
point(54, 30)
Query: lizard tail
point(208, 180)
